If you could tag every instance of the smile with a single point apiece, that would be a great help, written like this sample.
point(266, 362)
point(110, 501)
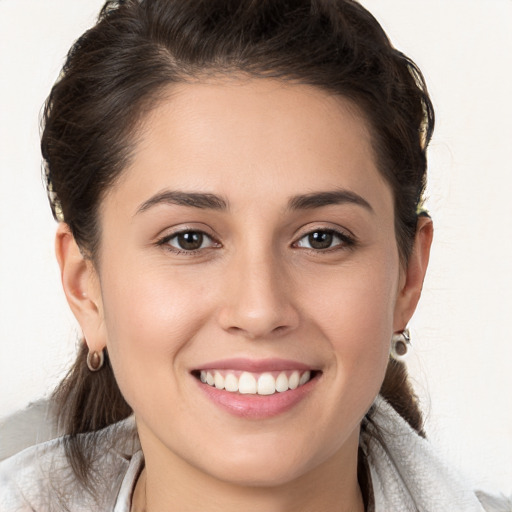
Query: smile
point(256, 389)
point(249, 383)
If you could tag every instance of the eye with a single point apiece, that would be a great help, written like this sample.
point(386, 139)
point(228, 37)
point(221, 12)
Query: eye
point(188, 241)
point(323, 239)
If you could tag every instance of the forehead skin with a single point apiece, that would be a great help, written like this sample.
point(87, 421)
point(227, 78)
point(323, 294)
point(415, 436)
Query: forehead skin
point(247, 134)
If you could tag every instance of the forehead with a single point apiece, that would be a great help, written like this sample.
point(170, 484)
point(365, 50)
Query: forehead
point(249, 139)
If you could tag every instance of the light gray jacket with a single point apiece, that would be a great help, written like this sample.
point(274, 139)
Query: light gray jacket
point(406, 474)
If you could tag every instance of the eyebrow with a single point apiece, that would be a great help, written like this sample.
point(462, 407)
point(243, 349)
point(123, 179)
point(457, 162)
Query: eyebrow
point(214, 202)
point(320, 199)
point(192, 199)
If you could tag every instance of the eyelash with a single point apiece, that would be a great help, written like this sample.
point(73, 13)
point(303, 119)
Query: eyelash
point(165, 241)
point(345, 241)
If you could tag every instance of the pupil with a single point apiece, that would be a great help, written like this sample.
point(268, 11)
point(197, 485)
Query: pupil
point(190, 241)
point(320, 240)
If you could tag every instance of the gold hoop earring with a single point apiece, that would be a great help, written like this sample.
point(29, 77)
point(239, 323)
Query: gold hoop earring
point(95, 360)
point(400, 345)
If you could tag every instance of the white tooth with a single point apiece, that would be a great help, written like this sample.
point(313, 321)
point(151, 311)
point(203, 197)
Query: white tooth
point(247, 384)
point(218, 380)
point(231, 383)
point(203, 376)
point(266, 384)
point(304, 378)
point(282, 382)
point(209, 378)
point(294, 380)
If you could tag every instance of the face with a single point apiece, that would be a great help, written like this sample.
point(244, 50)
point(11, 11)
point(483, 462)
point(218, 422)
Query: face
point(249, 244)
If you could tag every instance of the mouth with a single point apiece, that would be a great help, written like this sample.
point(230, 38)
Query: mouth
point(264, 383)
point(256, 389)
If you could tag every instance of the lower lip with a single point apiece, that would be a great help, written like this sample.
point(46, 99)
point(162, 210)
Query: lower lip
point(258, 406)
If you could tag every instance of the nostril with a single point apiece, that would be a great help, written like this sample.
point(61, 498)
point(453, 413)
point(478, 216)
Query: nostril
point(258, 307)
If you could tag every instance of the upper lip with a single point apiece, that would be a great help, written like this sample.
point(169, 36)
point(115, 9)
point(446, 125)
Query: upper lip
point(255, 365)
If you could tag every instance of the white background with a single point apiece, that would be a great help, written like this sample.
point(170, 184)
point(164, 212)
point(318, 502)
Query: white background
point(461, 331)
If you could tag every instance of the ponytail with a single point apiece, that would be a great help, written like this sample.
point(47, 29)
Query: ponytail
point(87, 402)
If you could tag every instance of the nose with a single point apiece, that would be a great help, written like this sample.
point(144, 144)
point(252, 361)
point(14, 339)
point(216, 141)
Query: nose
point(257, 302)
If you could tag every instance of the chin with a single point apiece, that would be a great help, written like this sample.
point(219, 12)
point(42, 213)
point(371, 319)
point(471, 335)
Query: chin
point(260, 473)
point(267, 461)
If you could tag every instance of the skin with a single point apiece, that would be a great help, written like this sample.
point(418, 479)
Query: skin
point(257, 291)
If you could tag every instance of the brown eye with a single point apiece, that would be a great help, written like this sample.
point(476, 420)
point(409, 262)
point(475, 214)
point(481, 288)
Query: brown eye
point(323, 239)
point(190, 241)
point(320, 239)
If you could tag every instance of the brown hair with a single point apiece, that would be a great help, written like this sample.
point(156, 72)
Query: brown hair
point(115, 73)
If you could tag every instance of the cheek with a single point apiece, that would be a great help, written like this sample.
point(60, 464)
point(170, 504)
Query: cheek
point(149, 319)
point(354, 310)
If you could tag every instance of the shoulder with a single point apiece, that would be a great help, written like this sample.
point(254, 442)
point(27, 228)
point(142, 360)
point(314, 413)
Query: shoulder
point(493, 503)
point(41, 479)
point(27, 479)
point(408, 474)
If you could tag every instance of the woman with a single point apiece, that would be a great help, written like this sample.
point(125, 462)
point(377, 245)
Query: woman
point(238, 187)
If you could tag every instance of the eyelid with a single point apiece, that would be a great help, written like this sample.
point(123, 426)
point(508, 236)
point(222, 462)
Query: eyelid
point(348, 239)
point(176, 229)
point(163, 240)
point(311, 227)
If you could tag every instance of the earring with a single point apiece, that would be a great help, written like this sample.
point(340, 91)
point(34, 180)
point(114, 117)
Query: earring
point(95, 360)
point(400, 345)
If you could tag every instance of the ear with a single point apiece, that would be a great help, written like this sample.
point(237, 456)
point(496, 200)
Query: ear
point(82, 288)
point(411, 281)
